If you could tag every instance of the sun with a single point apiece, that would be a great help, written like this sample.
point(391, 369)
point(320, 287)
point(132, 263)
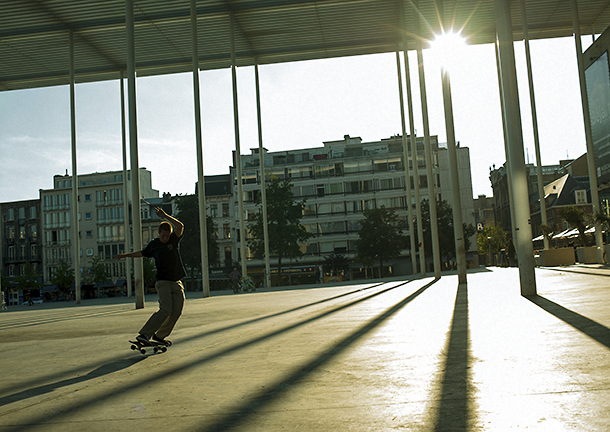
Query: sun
point(448, 48)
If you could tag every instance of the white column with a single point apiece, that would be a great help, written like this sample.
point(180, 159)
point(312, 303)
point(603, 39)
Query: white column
point(262, 171)
point(74, 207)
point(405, 152)
point(599, 242)
point(420, 227)
point(136, 215)
point(125, 193)
point(530, 77)
point(203, 227)
point(429, 161)
point(458, 226)
point(509, 183)
point(240, 189)
point(523, 231)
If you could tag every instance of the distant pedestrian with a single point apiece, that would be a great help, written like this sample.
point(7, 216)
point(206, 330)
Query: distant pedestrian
point(235, 276)
point(170, 271)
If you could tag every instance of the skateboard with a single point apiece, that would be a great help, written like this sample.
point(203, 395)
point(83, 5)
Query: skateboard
point(156, 346)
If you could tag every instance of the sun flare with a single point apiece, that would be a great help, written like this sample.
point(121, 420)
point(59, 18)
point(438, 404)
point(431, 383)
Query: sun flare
point(448, 48)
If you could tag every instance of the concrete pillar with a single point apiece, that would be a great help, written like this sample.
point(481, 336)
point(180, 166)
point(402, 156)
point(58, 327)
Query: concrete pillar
point(509, 183)
point(420, 227)
point(429, 161)
point(240, 189)
point(599, 242)
point(203, 227)
point(262, 171)
point(530, 77)
point(125, 191)
point(74, 206)
point(405, 152)
point(136, 215)
point(523, 231)
point(458, 225)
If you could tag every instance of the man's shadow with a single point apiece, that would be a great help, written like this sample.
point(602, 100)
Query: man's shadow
point(586, 325)
point(106, 369)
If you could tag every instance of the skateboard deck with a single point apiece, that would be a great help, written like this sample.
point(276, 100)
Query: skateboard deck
point(156, 346)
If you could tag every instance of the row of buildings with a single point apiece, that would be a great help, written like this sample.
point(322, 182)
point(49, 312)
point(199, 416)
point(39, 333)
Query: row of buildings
point(565, 184)
point(339, 181)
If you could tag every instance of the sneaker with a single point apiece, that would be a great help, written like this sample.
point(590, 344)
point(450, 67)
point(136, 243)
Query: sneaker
point(143, 339)
point(161, 341)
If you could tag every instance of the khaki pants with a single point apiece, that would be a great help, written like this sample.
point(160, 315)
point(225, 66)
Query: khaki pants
point(171, 302)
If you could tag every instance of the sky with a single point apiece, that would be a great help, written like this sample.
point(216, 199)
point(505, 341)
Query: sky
point(303, 104)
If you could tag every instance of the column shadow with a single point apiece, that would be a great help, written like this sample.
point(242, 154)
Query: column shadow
point(207, 333)
point(591, 328)
point(455, 411)
point(279, 389)
point(134, 386)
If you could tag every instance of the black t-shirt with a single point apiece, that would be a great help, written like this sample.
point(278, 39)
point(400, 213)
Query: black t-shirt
point(167, 258)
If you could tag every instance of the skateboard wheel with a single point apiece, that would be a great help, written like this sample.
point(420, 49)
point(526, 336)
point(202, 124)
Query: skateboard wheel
point(143, 351)
point(133, 347)
point(155, 350)
point(163, 349)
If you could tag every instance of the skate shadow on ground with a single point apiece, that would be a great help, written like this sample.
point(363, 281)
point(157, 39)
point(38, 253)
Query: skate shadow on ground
point(591, 328)
point(105, 369)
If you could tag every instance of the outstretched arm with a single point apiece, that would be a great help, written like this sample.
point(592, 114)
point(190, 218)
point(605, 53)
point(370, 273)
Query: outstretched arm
point(137, 254)
point(178, 226)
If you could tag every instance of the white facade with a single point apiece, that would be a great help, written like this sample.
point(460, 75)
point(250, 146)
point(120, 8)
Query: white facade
point(101, 218)
point(343, 178)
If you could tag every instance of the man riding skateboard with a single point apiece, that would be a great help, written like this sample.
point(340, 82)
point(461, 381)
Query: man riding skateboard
point(170, 271)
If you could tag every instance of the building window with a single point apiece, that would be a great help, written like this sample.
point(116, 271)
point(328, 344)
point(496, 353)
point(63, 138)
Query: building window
point(581, 196)
point(88, 216)
point(90, 252)
point(89, 234)
point(10, 215)
point(214, 210)
point(88, 197)
point(33, 212)
point(225, 210)
point(226, 230)
point(21, 232)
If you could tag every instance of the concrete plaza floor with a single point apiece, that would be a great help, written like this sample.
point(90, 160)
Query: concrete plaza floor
point(419, 355)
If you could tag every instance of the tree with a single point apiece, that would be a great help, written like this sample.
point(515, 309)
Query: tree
point(63, 276)
point(190, 245)
point(283, 224)
point(575, 217)
point(335, 264)
point(491, 240)
point(97, 274)
point(381, 236)
point(30, 279)
point(548, 230)
point(446, 237)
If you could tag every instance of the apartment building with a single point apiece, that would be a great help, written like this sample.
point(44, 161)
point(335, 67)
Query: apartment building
point(21, 241)
point(342, 179)
point(576, 168)
point(101, 218)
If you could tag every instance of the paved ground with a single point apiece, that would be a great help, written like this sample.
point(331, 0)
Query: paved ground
point(399, 355)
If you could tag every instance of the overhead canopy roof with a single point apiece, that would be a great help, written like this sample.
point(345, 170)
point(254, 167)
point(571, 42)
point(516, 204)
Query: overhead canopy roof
point(34, 34)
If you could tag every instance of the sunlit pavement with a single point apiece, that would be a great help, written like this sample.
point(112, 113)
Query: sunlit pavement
point(400, 355)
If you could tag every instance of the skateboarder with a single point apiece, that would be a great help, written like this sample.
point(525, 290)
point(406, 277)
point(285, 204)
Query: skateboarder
point(170, 271)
